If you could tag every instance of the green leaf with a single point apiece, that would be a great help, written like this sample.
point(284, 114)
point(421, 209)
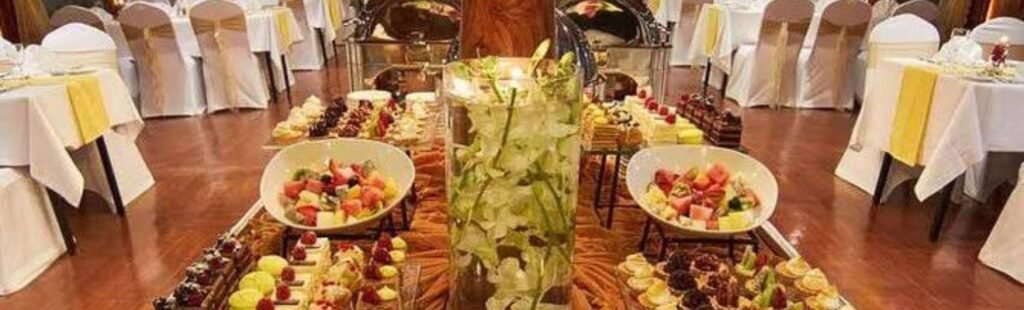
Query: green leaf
point(539, 53)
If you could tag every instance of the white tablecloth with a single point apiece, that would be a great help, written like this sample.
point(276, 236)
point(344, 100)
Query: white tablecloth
point(263, 38)
point(967, 120)
point(38, 129)
point(738, 25)
point(30, 239)
point(1004, 249)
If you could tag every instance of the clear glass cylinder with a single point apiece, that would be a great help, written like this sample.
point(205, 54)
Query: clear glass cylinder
point(513, 158)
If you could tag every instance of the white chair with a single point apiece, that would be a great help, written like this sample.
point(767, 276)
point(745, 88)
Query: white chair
point(230, 69)
point(305, 54)
point(924, 9)
point(900, 36)
point(990, 32)
point(824, 73)
point(75, 14)
point(79, 45)
point(683, 32)
point(170, 82)
point(765, 74)
point(102, 20)
point(30, 239)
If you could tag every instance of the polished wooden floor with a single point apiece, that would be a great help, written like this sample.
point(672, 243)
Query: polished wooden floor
point(207, 170)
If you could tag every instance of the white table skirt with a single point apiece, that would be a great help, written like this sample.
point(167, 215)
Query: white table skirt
point(967, 120)
point(1004, 249)
point(30, 239)
point(39, 128)
point(737, 26)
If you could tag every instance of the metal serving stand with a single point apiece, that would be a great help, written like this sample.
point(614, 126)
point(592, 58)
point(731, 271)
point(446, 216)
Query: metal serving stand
point(632, 48)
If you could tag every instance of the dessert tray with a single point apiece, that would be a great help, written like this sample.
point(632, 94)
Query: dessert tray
point(254, 266)
point(705, 278)
point(735, 194)
point(408, 124)
point(336, 185)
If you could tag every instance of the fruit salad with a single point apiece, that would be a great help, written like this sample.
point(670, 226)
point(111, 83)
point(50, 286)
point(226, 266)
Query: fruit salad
point(703, 199)
point(337, 194)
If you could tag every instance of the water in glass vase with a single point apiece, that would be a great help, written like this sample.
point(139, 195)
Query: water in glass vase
point(513, 157)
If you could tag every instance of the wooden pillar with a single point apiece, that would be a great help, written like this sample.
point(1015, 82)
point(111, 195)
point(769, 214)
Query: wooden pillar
point(508, 28)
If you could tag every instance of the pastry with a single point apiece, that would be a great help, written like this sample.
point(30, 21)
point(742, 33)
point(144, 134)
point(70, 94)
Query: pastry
point(372, 298)
point(635, 263)
point(811, 284)
point(681, 281)
point(826, 300)
point(285, 133)
point(377, 98)
point(791, 270)
point(657, 295)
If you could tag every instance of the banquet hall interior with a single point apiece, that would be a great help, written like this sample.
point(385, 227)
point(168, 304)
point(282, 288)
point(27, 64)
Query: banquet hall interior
point(511, 154)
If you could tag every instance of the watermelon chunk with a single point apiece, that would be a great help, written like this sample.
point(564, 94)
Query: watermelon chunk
point(701, 213)
point(293, 188)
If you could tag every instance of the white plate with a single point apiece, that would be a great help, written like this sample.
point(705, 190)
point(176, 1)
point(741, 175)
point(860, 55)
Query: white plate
point(390, 161)
point(645, 163)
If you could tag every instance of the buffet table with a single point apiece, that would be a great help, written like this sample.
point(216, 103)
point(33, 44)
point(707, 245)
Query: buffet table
point(597, 250)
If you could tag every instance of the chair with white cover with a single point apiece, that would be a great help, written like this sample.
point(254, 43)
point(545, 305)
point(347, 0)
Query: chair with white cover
point(989, 33)
point(900, 36)
point(683, 32)
point(169, 81)
point(30, 239)
point(826, 81)
point(82, 46)
point(924, 9)
point(305, 54)
point(765, 74)
point(881, 10)
point(75, 14)
point(230, 69)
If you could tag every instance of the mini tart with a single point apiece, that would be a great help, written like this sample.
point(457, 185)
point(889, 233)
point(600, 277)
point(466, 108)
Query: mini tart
point(791, 270)
point(633, 263)
point(333, 295)
point(389, 299)
point(285, 134)
point(639, 285)
point(657, 295)
point(827, 300)
point(811, 284)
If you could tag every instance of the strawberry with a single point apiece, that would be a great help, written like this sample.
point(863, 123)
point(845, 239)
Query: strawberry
point(283, 292)
point(670, 119)
point(682, 205)
point(315, 186)
point(663, 111)
point(265, 304)
point(762, 260)
point(308, 238)
point(299, 253)
point(385, 242)
point(293, 188)
point(370, 296)
point(288, 274)
point(309, 221)
point(372, 272)
point(381, 255)
point(779, 300)
point(664, 179)
point(642, 94)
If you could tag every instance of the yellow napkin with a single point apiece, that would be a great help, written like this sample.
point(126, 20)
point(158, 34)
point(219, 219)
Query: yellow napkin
point(711, 37)
point(334, 9)
point(912, 111)
point(86, 102)
point(284, 30)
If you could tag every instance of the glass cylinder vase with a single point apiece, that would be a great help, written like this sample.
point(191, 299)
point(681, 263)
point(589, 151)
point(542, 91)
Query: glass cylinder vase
point(513, 156)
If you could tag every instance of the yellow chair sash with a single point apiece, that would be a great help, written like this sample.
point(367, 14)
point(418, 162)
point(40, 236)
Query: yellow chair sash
point(879, 50)
point(912, 110)
point(712, 26)
point(284, 29)
point(214, 27)
point(782, 31)
point(149, 57)
point(86, 99)
point(334, 10)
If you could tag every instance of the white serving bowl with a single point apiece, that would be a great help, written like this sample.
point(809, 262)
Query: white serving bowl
point(645, 163)
point(390, 161)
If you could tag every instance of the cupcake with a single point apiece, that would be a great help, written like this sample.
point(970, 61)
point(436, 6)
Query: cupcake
point(746, 268)
point(656, 296)
point(693, 300)
point(633, 263)
point(811, 284)
point(762, 280)
point(681, 281)
point(826, 300)
point(792, 270)
point(707, 264)
point(678, 260)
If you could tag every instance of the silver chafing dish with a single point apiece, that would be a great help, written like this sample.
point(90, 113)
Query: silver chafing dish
point(630, 48)
point(401, 45)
